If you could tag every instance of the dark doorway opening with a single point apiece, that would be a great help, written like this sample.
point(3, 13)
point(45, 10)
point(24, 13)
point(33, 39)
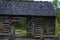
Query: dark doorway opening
point(20, 26)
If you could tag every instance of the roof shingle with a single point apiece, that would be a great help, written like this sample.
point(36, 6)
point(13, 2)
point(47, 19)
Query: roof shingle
point(27, 8)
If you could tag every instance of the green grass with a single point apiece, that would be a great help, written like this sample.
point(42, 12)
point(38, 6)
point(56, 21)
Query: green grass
point(21, 31)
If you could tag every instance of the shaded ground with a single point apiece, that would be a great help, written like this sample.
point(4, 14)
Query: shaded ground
point(23, 37)
point(20, 39)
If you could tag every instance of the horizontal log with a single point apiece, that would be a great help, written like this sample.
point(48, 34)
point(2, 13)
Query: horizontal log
point(6, 26)
point(37, 32)
point(5, 34)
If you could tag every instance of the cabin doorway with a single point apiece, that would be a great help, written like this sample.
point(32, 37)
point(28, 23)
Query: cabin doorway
point(19, 25)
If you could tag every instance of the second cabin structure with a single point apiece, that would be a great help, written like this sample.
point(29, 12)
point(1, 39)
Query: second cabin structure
point(40, 16)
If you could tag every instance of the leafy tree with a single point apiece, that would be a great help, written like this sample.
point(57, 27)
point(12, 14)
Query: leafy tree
point(55, 3)
point(58, 17)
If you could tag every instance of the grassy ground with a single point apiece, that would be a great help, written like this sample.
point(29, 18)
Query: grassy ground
point(23, 32)
point(20, 31)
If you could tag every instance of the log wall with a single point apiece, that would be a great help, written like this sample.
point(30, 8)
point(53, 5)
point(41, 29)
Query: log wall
point(6, 29)
point(44, 26)
point(38, 26)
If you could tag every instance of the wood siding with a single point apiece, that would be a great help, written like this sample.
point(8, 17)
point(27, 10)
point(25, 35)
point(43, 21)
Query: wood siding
point(6, 31)
point(42, 26)
point(1, 25)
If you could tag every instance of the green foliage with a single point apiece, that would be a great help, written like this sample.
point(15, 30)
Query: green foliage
point(58, 15)
point(21, 24)
point(55, 2)
point(58, 22)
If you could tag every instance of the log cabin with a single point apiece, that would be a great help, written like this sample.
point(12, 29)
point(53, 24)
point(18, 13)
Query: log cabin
point(41, 17)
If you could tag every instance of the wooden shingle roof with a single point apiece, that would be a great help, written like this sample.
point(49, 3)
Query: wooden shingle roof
point(27, 8)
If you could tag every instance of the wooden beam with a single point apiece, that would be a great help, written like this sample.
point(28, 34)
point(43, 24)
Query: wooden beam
point(1, 25)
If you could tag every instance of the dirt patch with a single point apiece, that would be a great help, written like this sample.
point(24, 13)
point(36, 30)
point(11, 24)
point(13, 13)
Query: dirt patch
point(23, 37)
